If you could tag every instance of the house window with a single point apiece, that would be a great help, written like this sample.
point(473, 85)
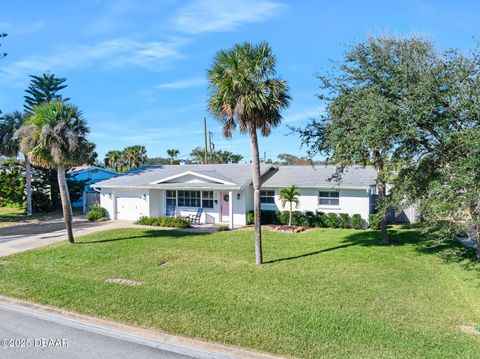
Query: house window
point(207, 199)
point(171, 198)
point(330, 198)
point(267, 196)
point(189, 198)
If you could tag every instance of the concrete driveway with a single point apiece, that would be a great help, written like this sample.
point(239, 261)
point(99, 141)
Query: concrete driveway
point(51, 230)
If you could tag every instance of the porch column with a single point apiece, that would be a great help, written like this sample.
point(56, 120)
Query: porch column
point(114, 204)
point(230, 209)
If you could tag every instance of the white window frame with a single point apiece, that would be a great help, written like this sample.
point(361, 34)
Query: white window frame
point(270, 195)
point(208, 197)
point(329, 198)
point(174, 198)
point(189, 198)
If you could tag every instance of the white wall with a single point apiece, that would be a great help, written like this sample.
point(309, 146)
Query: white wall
point(152, 203)
point(106, 201)
point(351, 201)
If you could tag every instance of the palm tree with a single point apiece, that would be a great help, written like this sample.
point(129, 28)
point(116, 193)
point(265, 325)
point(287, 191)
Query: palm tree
point(134, 156)
point(172, 153)
point(54, 136)
point(246, 95)
point(113, 159)
point(290, 195)
point(9, 124)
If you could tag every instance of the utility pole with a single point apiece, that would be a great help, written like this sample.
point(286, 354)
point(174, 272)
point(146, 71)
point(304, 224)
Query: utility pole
point(264, 156)
point(205, 158)
point(212, 145)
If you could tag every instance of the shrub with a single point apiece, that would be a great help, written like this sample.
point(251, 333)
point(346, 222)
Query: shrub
point(357, 221)
point(267, 217)
point(309, 219)
point(373, 221)
point(96, 214)
point(344, 220)
point(250, 217)
point(164, 222)
point(331, 220)
point(320, 220)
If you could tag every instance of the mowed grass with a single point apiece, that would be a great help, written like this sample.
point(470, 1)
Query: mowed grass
point(9, 214)
point(321, 294)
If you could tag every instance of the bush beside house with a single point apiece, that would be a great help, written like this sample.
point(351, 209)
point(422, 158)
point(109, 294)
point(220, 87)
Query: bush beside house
point(311, 219)
point(97, 214)
point(164, 222)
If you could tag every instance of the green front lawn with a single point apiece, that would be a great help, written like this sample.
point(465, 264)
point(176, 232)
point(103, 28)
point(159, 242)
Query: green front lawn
point(321, 294)
point(9, 214)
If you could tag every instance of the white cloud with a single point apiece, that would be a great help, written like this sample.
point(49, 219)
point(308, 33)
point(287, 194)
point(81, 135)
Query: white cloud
point(182, 84)
point(220, 16)
point(115, 52)
point(303, 115)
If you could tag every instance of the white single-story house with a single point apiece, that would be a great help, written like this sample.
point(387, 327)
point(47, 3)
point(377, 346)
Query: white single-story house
point(225, 191)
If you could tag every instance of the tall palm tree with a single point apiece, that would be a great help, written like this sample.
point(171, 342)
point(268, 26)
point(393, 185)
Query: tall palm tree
point(54, 136)
point(172, 153)
point(245, 94)
point(113, 159)
point(290, 195)
point(134, 156)
point(9, 124)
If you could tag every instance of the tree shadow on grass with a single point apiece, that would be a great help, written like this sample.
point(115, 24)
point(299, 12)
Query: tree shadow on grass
point(450, 251)
point(309, 254)
point(161, 233)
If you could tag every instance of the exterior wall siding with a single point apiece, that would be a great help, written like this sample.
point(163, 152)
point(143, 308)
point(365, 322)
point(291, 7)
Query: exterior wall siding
point(351, 201)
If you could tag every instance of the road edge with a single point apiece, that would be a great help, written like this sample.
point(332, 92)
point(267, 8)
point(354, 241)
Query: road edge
point(173, 343)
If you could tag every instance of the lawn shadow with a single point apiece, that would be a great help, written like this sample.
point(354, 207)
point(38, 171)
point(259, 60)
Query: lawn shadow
point(450, 251)
point(309, 254)
point(151, 233)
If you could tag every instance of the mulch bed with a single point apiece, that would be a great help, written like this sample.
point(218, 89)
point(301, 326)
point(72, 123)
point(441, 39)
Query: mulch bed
point(287, 229)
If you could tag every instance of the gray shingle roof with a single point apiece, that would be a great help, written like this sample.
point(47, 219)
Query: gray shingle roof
point(238, 174)
point(320, 176)
point(241, 175)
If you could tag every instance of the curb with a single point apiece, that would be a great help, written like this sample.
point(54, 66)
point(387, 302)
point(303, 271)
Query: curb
point(181, 345)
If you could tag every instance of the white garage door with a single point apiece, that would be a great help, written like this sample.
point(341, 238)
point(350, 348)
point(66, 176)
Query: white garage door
point(130, 206)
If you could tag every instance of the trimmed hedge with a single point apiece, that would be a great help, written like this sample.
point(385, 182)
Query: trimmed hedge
point(164, 222)
point(373, 221)
point(310, 219)
point(344, 220)
point(96, 214)
point(357, 221)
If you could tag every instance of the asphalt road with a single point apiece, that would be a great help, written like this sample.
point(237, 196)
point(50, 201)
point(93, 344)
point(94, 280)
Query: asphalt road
point(25, 335)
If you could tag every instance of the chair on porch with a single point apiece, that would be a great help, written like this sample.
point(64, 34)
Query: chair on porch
point(170, 211)
point(195, 218)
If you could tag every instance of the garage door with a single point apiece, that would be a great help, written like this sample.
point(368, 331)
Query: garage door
point(130, 206)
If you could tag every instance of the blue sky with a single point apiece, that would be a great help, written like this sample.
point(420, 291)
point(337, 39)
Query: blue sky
point(137, 69)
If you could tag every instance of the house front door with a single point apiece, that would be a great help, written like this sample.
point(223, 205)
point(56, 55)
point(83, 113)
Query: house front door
point(224, 207)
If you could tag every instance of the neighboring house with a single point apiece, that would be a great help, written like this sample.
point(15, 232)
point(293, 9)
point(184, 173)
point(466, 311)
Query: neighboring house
point(225, 191)
point(91, 175)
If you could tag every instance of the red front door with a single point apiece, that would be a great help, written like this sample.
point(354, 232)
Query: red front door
point(224, 207)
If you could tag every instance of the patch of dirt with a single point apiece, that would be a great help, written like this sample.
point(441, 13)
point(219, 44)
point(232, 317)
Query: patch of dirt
point(288, 229)
point(163, 263)
point(470, 329)
point(123, 281)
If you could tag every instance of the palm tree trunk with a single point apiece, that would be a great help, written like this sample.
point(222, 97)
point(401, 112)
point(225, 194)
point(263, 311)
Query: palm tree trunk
point(290, 216)
point(28, 185)
point(256, 194)
point(54, 189)
point(66, 206)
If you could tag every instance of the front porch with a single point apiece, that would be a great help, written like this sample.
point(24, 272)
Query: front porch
point(217, 206)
